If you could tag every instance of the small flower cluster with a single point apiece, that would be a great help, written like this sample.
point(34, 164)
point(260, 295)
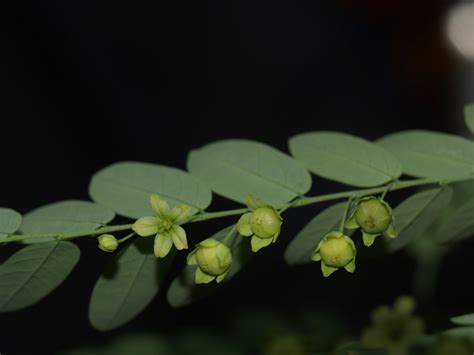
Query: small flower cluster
point(373, 216)
point(263, 224)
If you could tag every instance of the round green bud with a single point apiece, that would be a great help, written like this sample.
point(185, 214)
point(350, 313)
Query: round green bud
point(108, 243)
point(213, 257)
point(265, 222)
point(336, 250)
point(374, 216)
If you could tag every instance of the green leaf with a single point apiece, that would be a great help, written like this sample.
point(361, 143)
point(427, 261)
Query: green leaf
point(469, 116)
point(235, 168)
point(414, 215)
point(63, 217)
point(10, 221)
point(305, 242)
point(457, 224)
point(466, 319)
point(127, 285)
point(33, 272)
point(431, 154)
point(126, 188)
point(183, 291)
point(461, 332)
point(345, 158)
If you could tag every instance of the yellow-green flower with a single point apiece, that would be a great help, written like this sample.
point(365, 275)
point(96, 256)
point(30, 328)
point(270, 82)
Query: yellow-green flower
point(166, 226)
point(108, 243)
point(335, 251)
point(374, 217)
point(263, 225)
point(213, 259)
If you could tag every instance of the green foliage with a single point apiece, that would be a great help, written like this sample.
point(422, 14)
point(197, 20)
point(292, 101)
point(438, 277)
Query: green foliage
point(414, 215)
point(10, 221)
point(33, 272)
point(127, 285)
point(348, 159)
point(431, 154)
point(305, 242)
point(461, 332)
point(65, 216)
point(235, 168)
point(469, 116)
point(126, 188)
point(466, 319)
point(458, 224)
point(183, 289)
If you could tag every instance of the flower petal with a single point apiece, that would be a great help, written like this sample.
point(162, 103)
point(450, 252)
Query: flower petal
point(351, 223)
point(202, 278)
point(146, 226)
point(369, 238)
point(391, 231)
point(209, 243)
point(191, 258)
point(243, 226)
point(327, 270)
point(316, 256)
point(181, 214)
point(178, 235)
point(351, 266)
point(159, 205)
point(220, 278)
point(162, 245)
point(223, 254)
point(254, 202)
point(259, 243)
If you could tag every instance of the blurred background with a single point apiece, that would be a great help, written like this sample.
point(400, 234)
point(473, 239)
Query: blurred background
point(84, 84)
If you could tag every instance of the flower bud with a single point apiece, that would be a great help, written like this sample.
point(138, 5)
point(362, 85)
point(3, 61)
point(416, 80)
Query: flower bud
point(108, 243)
point(265, 222)
point(213, 259)
point(335, 251)
point(374, 217)
point(263, 225)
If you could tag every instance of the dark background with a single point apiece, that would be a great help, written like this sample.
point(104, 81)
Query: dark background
point(84, 84)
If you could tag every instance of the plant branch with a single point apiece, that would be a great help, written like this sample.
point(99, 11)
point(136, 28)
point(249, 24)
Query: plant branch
point(303, 201)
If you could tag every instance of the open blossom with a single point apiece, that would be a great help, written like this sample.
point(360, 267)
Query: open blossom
point(165, 226)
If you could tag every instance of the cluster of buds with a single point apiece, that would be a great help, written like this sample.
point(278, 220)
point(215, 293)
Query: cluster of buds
point(374, 217)
point(165, 225)
point(263, 224)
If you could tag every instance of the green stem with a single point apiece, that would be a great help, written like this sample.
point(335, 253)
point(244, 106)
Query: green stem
point(346, 211)
point(124, 239)
point(303, 201)
point(69, 235)
point(229, 235)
